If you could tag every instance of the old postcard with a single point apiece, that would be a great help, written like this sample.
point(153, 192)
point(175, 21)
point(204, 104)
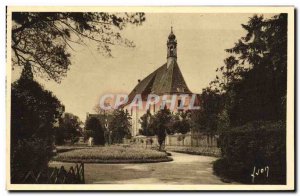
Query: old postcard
point(150, 98)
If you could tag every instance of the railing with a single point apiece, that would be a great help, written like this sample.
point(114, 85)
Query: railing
point(75, 175)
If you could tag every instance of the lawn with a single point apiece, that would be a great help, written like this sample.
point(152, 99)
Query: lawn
point(112, 154)
point(201, 150)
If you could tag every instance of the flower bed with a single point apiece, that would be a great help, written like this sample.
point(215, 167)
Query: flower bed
point(113, 154)
point(205, 151)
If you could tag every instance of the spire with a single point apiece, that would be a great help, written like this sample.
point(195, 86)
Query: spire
point(172, 45)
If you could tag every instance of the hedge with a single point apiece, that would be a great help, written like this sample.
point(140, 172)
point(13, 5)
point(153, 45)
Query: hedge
point(257, 144)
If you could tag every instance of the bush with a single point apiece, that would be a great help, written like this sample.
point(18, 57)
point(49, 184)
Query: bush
point(29, 155)
point(257, 144)
point(34, 112)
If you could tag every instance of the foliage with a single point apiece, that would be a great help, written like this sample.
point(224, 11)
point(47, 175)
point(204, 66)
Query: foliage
point(181, 122)
point(30, 154)
point(259, 63)
point(69, 129)
point(223, 122)
point(111, 154)
point(251, 86)
point(174, 123)
point(98, 110)
point(34, 114)
point(145, 121)
point(243, 90)
point(120, 126)
point(258, 144)
point(42, 38)
point(206, 119)
point(161, 124)
point(52, 175)
point(94, 129)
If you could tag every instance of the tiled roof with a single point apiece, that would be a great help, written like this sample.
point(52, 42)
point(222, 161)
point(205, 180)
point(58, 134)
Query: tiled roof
point(167, 79)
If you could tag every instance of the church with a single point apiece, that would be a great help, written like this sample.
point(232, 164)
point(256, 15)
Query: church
point(167, 80)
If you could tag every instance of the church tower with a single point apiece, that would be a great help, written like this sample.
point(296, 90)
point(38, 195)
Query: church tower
point(171, 48)
point(167, 80)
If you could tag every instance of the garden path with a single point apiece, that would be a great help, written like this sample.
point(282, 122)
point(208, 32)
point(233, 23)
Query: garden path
point(185, 169)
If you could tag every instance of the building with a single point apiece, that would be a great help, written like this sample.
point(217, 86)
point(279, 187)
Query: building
point(165, 81)
point(104, 118)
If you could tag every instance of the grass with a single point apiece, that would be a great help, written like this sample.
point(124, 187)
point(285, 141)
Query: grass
point(61, 149)
point(206, 151)
point(112, 154)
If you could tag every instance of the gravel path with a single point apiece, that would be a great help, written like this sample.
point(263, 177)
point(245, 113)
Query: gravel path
point(185, 169)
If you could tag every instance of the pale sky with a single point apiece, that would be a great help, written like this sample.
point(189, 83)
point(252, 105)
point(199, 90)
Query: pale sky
point(201, 40)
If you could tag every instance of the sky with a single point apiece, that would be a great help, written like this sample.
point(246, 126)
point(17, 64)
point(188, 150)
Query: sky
point(201, 41)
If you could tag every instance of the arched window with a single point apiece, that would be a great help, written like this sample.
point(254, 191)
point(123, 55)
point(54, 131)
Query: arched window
point(172, 50)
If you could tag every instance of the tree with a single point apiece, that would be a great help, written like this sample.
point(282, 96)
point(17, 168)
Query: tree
point(35, 112)
point(145, 121)
point(257, 64)
point(161, 124)
point(120, 126)
point(98, 110)
point(206, 119)
point(181, 122)
point(42, 38)
point(69, 128)
point(96, 130)
point(254, 100)
point(261, 88)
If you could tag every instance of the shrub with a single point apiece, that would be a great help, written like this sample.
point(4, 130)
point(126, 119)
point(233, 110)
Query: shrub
point(34, 112)
point(29, 155)
point(256, 144)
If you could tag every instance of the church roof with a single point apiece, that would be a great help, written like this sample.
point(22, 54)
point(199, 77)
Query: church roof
point(167, 79)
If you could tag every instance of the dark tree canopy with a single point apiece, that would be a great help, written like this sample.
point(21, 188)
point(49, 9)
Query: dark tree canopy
point(161, 124)
point(97, 132)
point(206, 119)
point(253, 80)
point(120, 125)
point(181, 122)
point(35, 112)
point(42, 38)
point(145, 121)
point(261, 91)
point(32, 103)
point(69, 128)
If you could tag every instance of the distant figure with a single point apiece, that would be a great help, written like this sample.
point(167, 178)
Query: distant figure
point(91, 141)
